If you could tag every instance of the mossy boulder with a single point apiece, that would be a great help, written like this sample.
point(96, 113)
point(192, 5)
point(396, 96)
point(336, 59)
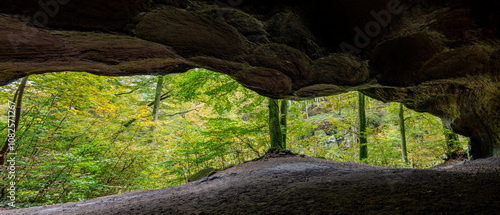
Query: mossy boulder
point(207, 172)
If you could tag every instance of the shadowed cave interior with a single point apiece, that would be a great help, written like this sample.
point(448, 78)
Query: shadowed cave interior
point(440, 57)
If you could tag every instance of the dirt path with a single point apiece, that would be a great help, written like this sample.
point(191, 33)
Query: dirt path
point(302, 185)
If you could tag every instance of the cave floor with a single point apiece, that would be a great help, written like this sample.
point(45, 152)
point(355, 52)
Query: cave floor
point(292, 184)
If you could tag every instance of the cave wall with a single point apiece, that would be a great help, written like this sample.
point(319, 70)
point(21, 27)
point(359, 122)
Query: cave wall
point(441, 57)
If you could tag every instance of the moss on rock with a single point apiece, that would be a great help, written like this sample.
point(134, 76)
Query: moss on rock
point(202, 174)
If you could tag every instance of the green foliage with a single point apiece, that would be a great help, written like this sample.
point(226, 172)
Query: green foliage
point(68, 144)
point(83, 136)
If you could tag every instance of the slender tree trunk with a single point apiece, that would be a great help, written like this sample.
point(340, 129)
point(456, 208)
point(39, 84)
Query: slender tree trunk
point(306, 109)
point(453, 148)
point(338, 105)
point(274, 125)
point(156, 107)
point(284, 114)
point(163, 97)
point(403, 132)
point(18, 99)
point(363, 146)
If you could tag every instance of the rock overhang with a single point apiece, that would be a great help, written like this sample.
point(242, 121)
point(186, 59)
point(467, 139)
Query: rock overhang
point(441, 57)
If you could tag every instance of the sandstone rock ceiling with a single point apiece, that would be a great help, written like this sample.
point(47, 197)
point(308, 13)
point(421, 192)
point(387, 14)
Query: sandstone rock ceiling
point(436, 56)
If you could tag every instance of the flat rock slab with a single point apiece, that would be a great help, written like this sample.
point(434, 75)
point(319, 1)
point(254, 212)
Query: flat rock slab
point(293, 184)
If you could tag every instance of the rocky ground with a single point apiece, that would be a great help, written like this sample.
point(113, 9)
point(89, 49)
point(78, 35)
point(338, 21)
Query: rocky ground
point(293, 184)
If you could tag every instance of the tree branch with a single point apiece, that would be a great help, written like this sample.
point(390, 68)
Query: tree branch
point(164, 96)
point(249, 145)
point(180, 113)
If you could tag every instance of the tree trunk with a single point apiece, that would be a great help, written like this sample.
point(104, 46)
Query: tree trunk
point(403, 133)
point(453, 148)
point(274, 126)
point(19, 97)
point(307, 109)
point(156, 106)
point(284, 114)
point(363, 147)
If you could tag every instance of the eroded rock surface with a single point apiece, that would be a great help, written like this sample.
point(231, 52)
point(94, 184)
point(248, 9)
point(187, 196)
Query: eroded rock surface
point(302, 185)
point(441, 57)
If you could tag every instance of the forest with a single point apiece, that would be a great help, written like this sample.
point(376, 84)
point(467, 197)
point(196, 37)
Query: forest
point(82, 136)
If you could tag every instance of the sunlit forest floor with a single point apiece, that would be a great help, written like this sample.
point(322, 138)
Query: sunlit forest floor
point(296, 184)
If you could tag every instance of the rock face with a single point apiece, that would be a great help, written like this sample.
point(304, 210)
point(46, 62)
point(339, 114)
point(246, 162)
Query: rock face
point(441, 57)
